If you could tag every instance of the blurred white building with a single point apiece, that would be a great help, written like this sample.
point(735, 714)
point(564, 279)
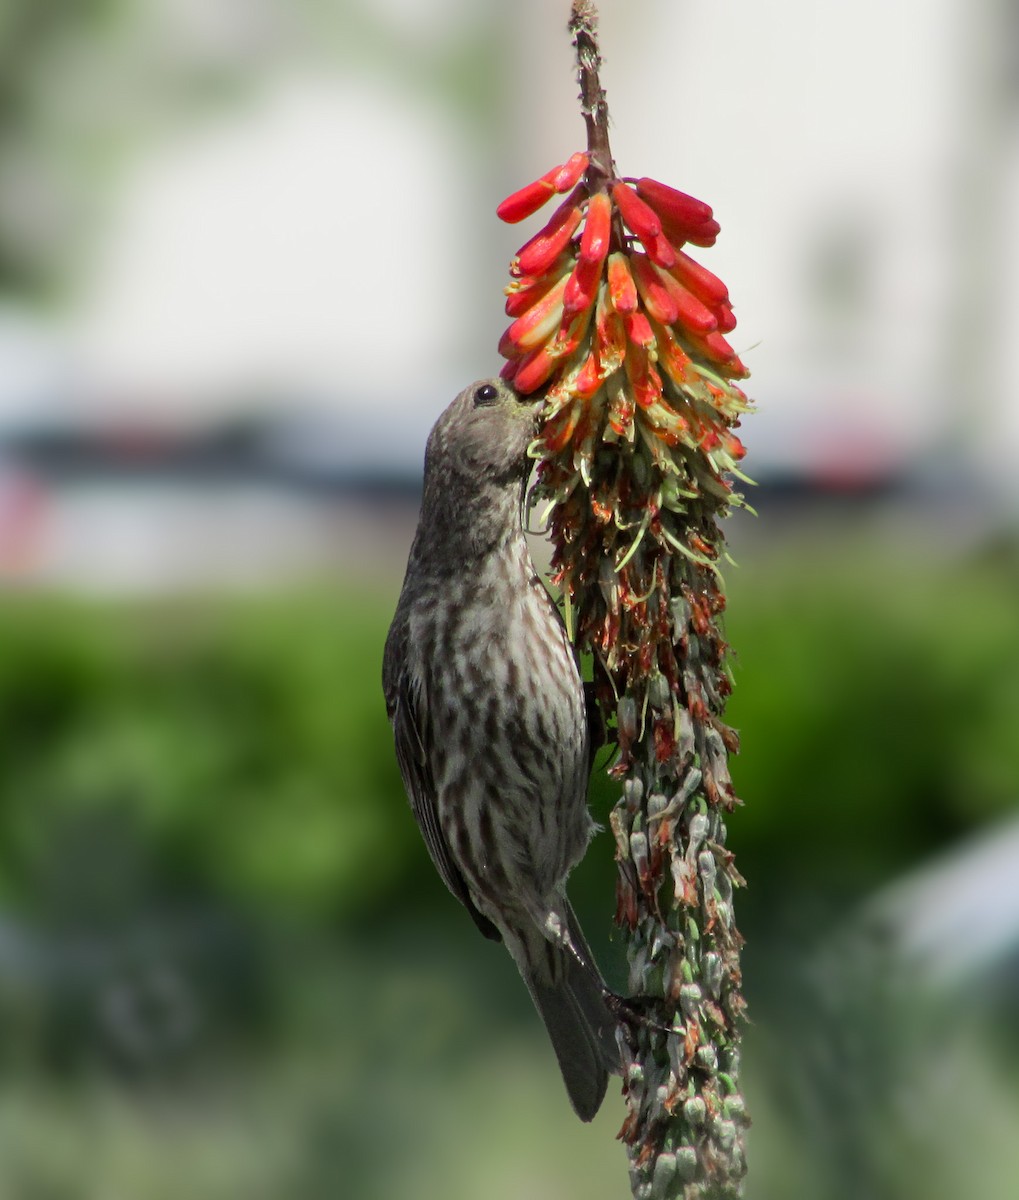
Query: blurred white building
point(863, 161)
point(326, 250)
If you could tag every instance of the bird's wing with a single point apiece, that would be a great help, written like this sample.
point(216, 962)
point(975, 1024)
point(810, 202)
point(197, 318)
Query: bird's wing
point(407, 714)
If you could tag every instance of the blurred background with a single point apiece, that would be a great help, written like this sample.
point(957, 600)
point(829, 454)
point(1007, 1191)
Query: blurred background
point(248, 251)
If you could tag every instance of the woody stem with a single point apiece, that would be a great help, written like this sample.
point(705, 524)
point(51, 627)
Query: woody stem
point(584, 28)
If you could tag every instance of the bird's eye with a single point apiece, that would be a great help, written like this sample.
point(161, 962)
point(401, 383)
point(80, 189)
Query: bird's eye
point(486, 394)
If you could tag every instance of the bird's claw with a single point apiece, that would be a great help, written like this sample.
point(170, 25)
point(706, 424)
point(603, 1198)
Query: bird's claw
point(632, 1011)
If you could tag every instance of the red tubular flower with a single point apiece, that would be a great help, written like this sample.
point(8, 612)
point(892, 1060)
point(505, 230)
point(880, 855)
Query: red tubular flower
point(653, 290)
point(540, 321)
point(704, 235)
point(538, 255)
point(717, 350)
point(524, 292)
point(571, 170)
point(644, 380)
point(638, 330)
point(726, 318)
point(636, 214)
point(571, 333)
point(690, 312)
point(706, 287)
point(589, 378)
point(672, 204)
point(661, 251)
point(527, 201)
point(677, 363)
point(533, 371)
point(594, 242)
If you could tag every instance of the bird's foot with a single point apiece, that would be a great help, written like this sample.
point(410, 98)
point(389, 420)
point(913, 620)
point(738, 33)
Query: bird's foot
point(633, 1011)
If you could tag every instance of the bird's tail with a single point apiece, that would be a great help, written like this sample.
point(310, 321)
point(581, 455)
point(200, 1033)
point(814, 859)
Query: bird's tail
point(569, 995)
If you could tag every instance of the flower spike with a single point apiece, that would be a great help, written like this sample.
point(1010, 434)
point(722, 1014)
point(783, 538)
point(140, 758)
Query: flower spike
point(625, 336)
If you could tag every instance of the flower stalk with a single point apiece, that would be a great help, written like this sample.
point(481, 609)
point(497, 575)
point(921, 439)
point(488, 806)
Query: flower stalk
point(625, 334)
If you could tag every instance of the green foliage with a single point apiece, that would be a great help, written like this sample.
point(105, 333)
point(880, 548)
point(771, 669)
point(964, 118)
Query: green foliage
point(877, 702)
point(241, 747)
point(162, 765)
point(242, 744)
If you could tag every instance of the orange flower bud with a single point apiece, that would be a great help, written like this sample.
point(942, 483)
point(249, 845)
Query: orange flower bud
point(645, 381)
point(653, 290)
point(582, 287)
point(622, 292)
point(539, 322)
point(571, 334)
point(528, 290)
point(675, 361)
point(610, 333)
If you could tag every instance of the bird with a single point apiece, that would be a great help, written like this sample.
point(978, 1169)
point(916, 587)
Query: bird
point(485, 697)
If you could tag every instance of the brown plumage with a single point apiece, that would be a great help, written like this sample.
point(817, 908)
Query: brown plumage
point(488, 714)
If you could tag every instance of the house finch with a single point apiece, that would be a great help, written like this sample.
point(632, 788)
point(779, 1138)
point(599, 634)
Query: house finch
point(488, 714)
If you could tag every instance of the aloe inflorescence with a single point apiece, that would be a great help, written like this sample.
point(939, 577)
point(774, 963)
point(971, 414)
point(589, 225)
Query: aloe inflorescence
point(625, 335)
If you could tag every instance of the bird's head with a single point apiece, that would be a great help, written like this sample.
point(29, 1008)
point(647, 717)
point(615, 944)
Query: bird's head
point(484, 434)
